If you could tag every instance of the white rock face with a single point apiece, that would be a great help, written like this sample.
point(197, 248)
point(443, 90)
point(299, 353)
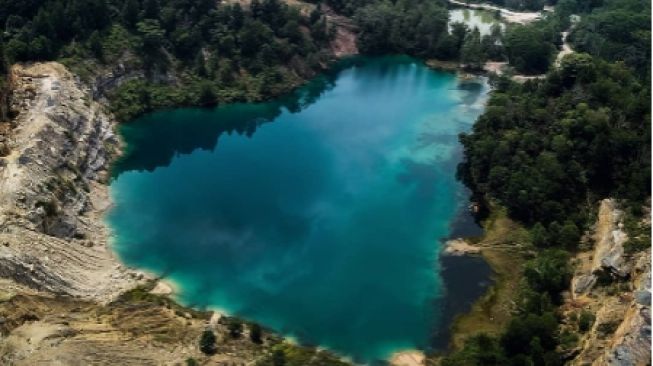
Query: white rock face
point(52, 195)
point(610, 237)
point(631, 342)
point(621, 333)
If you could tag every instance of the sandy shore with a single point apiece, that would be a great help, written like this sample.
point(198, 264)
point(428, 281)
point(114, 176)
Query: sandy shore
point(408, 358)
point(460, 247)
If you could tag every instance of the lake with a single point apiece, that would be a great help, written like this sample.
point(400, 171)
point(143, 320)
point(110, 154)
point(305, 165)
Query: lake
point(319, 215)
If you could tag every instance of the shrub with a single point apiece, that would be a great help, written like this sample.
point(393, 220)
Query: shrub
point(235, 327)
point(255, 333)
point(207, 342)
point(585, 321)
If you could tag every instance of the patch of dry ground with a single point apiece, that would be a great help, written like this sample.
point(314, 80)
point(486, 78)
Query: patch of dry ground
point(136, 329)
point(407, 358)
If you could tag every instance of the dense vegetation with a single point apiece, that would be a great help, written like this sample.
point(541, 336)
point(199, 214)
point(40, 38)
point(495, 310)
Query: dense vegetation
point(422, 29)
point(617, 31)
point(203, 52)
point(192, 52)
point(545, 150)
point(548, 150)
point(532, 336)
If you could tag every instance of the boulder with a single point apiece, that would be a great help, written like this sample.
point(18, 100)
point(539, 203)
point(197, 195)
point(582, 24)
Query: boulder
point(609, 238)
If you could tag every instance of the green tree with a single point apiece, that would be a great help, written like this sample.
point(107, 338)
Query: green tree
point(585, 321)
point(130, 13)
point(480, 349)
point(550, 272)
point(207, 342)
point(539, 236)
point(255, 333)
point(253, 35)
point(527, 49)
point(471, 52)
point(199, 66)
point(278, 358)
point(206, 96)
point(569, 235)
point(151, 9)
point(95, 45)
point(522, 330)
point(235, 327)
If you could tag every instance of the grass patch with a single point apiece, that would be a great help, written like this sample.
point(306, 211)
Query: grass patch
point(639, 234)
point(142, 295)
point(505, 247)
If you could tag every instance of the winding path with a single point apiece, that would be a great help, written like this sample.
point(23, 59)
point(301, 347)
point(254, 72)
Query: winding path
point(566, 48)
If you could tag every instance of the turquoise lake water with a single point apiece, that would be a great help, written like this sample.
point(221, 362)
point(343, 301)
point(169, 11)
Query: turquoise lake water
point(318, 215)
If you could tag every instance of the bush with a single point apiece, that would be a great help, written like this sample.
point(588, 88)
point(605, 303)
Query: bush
point(278, 358)
point(255, 333)
point(585, 321)
point(235, 327)
point(207, 342)
point(516, 340)
point(549, 273)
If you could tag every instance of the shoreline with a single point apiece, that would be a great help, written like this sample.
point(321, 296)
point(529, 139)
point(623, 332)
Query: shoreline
point(163, 286)
point(499, 247)
point(106, 281)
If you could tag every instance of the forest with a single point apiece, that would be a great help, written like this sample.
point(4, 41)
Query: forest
point(548, 151)
point(204, 53)
point(212, 53)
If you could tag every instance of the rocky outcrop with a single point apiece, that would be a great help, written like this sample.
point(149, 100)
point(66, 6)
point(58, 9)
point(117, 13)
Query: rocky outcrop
point(52, 195)
point(582, 283)
point(631, 342)
point(608, 253)
point(344, 42)
point(610, 239)
point(615, 288)
point(113, 78)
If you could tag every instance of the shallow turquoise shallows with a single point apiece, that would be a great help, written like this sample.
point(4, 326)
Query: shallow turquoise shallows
point(318, 215)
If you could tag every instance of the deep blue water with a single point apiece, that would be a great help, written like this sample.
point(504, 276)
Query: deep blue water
point(318, 215)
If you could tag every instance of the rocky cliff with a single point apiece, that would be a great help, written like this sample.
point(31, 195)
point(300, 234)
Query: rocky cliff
point(611, 289)
point(52, 191)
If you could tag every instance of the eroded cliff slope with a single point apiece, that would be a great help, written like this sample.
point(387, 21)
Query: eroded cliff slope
point(52, 195)
point(611, 295)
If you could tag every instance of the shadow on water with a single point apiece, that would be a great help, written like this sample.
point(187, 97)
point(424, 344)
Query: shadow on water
point(473, 89)
point(465, 278)
point(157, 145)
